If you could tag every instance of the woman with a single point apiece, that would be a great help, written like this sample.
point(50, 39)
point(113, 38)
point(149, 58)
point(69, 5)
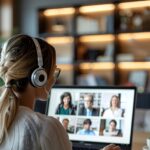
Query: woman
point(22, 72)
point(65, 107)
point(112, 131)
point(28, 69)
point(114, 110)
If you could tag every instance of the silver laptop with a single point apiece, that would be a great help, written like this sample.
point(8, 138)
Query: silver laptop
point(94, 116)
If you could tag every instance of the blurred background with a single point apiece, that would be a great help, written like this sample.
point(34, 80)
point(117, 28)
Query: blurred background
point(98, 42)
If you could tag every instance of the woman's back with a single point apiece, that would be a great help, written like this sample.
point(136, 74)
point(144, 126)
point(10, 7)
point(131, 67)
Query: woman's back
point(34, 131)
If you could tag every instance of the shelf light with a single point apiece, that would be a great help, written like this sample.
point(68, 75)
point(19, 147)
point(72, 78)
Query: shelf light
point(97, 66)
point(136, 36)
point(134, 65)
point(65, 67)
point(58, 28)
point(59, 40)
point(97, 38)
point(59, 12)
point(97, 8)
point(134, 5)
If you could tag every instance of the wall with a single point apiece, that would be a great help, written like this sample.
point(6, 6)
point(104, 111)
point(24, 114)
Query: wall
point(25, 12)
point(5, 18)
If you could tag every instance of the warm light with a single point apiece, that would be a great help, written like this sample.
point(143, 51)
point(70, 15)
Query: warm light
point(97, 38)
point(134, 65)
point(65, 67)
point(59, 12)
point(58, 28)
point(134, 5)
point(136, 36)
point(59, 40)
point(96, 8)
point(97, 66)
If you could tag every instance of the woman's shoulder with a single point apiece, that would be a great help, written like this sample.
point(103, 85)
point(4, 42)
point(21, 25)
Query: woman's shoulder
point(39, 124)
point(120, 110)
point(59, 106)
point(25, 127)
point(44, 124)
point(51, 131)
point(39, 131)
point(107, 110)
point(30, 117)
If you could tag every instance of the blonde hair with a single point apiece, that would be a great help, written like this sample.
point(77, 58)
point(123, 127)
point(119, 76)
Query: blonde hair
point(18, 60)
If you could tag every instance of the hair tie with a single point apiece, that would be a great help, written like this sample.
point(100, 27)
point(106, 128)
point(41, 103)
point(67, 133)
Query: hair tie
point(8, 86)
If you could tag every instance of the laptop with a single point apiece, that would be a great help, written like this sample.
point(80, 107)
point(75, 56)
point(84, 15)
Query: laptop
point(94, 117)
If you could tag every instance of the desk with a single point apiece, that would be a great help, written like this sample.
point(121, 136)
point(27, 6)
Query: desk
point(139, 139)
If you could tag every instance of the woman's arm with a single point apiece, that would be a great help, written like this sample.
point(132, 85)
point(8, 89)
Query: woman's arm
point(111, 147)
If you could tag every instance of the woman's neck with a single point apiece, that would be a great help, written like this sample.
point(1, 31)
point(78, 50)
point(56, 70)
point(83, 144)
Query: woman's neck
point(114, 108)
point(27, 98)
point(66, 106)
point(27, 102)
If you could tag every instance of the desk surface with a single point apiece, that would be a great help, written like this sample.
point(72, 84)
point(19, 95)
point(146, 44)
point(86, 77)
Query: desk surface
point(139, 139)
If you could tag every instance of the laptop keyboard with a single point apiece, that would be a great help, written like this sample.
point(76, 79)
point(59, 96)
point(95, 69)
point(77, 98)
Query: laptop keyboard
point(76, 148)
point(94, 147)
point(125, 148)
point(87, 148)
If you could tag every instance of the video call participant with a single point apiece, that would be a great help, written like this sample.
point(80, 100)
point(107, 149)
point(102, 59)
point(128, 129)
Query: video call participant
point(87, 109)
point(65, 124)
point(112, 131)
point(65, 106)
point(20, 127)
point(86, 128)
point(114, 110)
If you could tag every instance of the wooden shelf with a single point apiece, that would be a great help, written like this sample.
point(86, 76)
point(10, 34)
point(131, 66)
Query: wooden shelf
point(59, 12)
point(97, 66)
point(134, 65)
point(90, 9)
point(65, 67)
point(134, 5)
point(136, 36)
point(106, 38)
point(60, 40)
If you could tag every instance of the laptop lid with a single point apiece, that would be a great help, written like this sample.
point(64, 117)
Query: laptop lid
point(94, 115)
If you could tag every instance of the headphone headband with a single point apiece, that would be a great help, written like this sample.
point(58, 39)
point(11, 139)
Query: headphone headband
point(39, 54)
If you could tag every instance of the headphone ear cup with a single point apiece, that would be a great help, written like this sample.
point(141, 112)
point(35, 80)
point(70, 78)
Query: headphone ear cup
point(39, 77)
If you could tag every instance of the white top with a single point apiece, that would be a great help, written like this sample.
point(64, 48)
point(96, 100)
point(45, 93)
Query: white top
point(110, 133)
point(34, 131)
point(108, 113)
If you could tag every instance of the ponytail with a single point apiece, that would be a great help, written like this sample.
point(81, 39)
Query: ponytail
point(8, 107)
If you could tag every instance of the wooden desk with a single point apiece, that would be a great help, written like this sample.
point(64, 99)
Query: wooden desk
point(139, 139)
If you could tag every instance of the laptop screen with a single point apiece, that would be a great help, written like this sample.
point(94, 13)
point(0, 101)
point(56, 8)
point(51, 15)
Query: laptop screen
point(94, 114)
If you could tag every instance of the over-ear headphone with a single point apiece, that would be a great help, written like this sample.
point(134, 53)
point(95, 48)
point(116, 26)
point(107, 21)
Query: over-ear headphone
point(39, 75)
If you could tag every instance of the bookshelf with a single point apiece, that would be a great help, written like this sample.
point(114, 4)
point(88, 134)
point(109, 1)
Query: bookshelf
point(102, 43)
